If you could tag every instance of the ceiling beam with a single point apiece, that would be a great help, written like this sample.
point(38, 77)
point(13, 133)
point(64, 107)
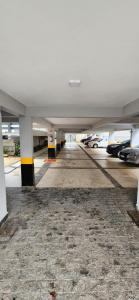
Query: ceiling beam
point(132, 108)
point(74, 112)
point(10, 105)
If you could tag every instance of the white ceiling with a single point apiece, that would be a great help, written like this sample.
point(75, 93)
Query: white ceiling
point(73, 124)
point(73, 121)
point(45, 43)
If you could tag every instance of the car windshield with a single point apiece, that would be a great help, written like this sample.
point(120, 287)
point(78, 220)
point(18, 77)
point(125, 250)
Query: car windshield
point(125, 142)
point(95, 139)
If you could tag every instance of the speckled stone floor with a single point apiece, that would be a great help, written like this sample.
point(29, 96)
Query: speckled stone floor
point(78, 243)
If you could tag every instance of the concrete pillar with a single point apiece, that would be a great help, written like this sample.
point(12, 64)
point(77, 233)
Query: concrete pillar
point(3, 202)
point(51, 143)
point(62, 139)
point(58, 141)
point(111, 138)
point(26, 149)
point(135, 137)
point(137, 204)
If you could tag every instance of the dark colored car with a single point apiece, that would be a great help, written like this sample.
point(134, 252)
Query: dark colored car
point(88, 139)
point(114, 149)
point(130, 155)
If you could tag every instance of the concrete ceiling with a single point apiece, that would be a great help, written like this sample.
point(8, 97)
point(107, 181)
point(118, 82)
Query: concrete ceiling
point(46, 43)
point(73, 124)
point(73, 121)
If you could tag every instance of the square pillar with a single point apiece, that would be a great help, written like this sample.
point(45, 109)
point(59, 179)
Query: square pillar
point(111, 139)
point(58, 141)
point(26, 150)
point(135, 138)
point(3, 202)
point(51, 144)
point(62, 139)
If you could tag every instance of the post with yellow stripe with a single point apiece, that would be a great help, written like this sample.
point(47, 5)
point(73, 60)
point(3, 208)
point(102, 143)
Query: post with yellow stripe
point(26, 150)
point(51, 144)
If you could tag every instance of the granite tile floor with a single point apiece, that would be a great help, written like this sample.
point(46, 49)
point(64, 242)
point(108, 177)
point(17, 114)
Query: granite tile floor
point(78, 243)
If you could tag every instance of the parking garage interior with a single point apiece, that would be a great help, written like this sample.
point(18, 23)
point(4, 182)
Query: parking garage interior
point(69, 150)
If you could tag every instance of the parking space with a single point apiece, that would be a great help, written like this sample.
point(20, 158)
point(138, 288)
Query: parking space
point(124, 173)
point(125, 177)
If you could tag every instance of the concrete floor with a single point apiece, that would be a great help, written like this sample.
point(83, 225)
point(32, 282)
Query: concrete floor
point(72, 234)
point(75, 178)
point(73, 168)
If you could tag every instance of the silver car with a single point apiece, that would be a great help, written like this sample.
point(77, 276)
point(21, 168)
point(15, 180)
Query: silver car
point(130, 155)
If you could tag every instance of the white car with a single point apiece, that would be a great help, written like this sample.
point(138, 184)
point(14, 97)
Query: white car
point(98, 143)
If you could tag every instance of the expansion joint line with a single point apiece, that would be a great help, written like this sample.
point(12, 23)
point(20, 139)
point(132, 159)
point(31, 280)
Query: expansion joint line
point(113, 181)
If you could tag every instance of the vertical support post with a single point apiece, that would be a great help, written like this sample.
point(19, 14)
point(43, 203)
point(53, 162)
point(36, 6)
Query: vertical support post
point(137, 204)
point(135, 137)
point(51, 144)
point(3, 202)
point(111, 138)
point(62, 139)
point(26, 146)
point(58, 139)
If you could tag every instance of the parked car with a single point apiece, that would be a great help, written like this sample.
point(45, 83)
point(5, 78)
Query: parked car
point(130, 155)
point(98, 143)
point(114, 149)
point(86, 139)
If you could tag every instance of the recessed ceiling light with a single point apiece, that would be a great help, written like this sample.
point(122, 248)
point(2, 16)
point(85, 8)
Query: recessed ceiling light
point(74, 83)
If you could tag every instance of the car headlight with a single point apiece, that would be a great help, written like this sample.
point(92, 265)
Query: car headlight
point(132, 156)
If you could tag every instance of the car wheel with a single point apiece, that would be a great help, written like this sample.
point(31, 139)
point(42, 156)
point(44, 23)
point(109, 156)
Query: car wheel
point(95, 146)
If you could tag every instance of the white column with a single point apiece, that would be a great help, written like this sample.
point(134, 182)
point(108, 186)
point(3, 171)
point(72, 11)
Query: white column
point(3, 202)
point(26, 136)
point(135, 138)
point(26, 150)
point(111, 139)
point(51, 143)
point(135, 143)
point(137, 204)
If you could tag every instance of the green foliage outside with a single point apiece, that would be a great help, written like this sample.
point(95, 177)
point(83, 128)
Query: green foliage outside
point(17, 149)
